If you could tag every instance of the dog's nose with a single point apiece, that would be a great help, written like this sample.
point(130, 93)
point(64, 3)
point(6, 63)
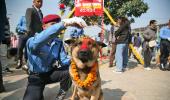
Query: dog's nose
point(84, 53)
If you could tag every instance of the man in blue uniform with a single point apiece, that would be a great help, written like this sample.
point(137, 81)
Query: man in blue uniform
point(165, 47)
point(43, 50)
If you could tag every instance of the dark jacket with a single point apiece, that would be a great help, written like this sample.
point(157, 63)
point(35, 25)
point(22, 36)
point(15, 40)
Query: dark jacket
point(33, 21)
point(123, 33)
point(149, 34)
point(3, 19)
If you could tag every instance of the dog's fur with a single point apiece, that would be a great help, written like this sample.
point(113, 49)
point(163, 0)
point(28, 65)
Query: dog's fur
point(84, 64)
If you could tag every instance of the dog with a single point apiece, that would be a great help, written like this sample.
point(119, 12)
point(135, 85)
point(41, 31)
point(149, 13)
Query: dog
point(85, 53)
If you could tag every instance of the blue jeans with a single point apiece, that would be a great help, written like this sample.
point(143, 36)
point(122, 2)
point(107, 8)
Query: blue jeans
point(121, 56)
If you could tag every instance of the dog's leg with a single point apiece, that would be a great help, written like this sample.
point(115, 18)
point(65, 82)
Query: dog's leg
point(96, 94)
point(101, 95)
point(74, 93)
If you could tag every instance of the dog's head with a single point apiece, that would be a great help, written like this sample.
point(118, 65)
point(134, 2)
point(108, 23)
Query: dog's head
point(84, 50)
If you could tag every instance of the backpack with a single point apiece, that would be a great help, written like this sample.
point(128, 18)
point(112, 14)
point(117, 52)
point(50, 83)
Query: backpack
point(21, 26)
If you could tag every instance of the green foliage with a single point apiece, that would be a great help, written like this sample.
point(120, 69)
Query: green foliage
point(128, 8)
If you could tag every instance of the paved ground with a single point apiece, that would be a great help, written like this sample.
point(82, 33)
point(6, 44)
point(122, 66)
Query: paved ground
point(134, 84)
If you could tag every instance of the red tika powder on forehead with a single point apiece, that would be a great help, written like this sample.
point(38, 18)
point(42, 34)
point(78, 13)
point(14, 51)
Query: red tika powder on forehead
point(85, 42)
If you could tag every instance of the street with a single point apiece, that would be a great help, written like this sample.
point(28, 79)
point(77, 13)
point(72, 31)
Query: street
point(134, 84)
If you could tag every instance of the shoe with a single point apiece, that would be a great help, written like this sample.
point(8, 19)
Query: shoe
point(148, 68)
point(162, 67)
point(2, 89)
point(8, 70)
point(110, 65)
point(125, 69)
point(25, 68)
point(19, 65)
point(61, 95)
point(117, 72)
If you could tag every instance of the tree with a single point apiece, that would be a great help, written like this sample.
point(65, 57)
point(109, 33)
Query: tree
point(128, 8)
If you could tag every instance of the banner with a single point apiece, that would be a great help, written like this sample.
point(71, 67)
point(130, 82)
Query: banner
point(88, 7)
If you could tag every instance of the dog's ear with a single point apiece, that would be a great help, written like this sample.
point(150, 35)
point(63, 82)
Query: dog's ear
point(101, 44)
point(70, 41)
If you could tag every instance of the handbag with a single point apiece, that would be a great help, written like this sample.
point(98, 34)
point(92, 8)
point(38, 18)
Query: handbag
point(152, 43)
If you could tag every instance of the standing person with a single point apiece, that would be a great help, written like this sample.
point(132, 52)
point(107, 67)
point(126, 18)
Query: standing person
point(43, 50)
point(33, 23)
point(149, 36)
point(137, 43)
point(3, 18)
point(21, 31)
point(165, 47)
point(122, 40)
point(34, 18)
point(113, 45)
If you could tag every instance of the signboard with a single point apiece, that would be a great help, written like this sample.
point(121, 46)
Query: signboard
point(88, 7)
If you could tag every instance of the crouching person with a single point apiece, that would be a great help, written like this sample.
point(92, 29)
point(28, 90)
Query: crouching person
point(43, 50)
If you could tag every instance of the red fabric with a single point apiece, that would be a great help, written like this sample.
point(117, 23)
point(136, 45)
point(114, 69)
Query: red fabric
point(88, 7)
point(51, 18)
point(14, 42)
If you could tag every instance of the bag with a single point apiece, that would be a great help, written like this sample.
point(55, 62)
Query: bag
point(152, 43)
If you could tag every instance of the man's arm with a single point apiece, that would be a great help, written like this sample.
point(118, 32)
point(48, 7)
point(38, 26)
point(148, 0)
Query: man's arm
point(45, 36)
point(146, 35)
point(50, 33)
point(64, 58)
point(28, 17)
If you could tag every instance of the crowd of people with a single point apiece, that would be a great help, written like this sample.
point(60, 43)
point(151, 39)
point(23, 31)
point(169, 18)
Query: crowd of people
point(145, 44)
point(38, 47)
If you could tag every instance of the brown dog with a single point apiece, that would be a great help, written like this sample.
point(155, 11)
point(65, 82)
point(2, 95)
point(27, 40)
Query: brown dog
point(84, 69)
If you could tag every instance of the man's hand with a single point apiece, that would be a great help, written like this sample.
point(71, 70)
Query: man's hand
point(75, 21)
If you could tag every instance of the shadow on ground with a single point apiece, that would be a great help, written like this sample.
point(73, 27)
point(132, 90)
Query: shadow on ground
point(15, 89)
point(113, 94)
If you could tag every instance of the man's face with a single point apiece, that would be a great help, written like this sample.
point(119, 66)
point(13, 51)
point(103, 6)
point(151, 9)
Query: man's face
point(154, 25)
point(45, 26)
point(38, 3)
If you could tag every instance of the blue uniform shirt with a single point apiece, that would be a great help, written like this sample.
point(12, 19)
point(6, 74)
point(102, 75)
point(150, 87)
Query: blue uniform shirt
point(44, 49)
point(165, 33)
point(21, 27)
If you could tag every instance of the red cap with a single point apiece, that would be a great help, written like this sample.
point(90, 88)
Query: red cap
point(51, 18)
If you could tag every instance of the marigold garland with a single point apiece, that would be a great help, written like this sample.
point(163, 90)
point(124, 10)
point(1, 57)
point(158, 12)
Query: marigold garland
point(90, 79)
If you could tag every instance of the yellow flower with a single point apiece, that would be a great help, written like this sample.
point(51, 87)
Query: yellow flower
point(91, 77)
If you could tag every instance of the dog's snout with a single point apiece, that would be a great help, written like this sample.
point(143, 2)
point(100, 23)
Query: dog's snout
point(84, 53)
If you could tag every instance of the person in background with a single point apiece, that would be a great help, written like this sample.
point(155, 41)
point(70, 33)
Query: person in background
point(165, 47)
point(3, 18)
point(137, 43)
point(122, 40)
point(21, 31)
point(149, 36)
point(43, 50)
point(113, 45)
point(33, 18)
